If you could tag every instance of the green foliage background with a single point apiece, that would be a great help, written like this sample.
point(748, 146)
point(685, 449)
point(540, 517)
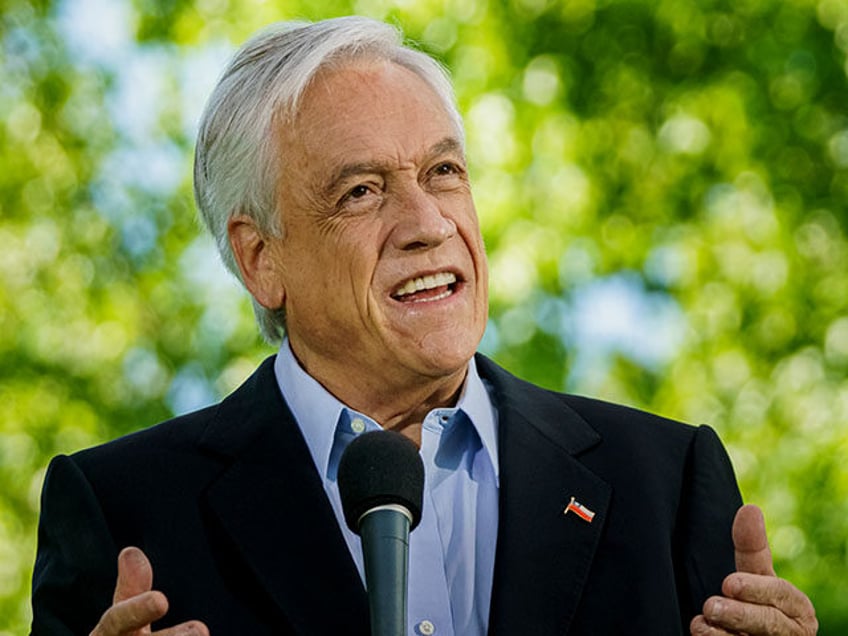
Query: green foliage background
point(662, 187)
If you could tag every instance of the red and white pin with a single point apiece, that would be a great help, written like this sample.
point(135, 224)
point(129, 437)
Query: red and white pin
point(580, 510)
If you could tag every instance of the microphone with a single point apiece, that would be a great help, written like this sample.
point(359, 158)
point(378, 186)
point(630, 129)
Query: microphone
point(381, 484)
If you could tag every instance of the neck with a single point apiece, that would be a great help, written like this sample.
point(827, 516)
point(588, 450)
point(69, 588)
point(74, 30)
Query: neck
point(399, 409)
point(396, 403)
point(408, 419)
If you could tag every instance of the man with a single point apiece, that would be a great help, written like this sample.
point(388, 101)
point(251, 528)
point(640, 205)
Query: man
point(330, 168)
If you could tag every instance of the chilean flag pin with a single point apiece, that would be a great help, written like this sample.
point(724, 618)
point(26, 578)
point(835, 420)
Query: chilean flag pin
point(580, 510)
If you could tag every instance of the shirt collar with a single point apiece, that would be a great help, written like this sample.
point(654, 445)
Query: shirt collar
point(477, 405)
point(311, 404)
point(319, 413)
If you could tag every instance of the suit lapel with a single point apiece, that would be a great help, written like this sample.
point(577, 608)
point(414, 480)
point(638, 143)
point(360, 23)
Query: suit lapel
point(271, 503)
point(543, 556)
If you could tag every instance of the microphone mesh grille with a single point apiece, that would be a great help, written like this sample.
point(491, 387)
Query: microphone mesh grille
point(379, 468)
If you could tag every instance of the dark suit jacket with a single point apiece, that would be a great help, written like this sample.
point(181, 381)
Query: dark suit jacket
point(228, 505)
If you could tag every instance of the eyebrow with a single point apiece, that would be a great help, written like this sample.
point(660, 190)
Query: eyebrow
point(448, 145)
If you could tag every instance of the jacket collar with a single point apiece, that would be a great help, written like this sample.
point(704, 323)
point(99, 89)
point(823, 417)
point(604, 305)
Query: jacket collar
point(270, 501)
point(543, 556)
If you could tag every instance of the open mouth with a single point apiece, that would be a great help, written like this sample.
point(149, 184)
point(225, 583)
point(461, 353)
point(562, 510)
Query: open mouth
point(427, 288)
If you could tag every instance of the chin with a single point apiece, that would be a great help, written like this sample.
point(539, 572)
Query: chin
point(448, 355)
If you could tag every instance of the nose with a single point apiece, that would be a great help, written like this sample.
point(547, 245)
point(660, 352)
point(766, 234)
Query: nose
point(421, 223)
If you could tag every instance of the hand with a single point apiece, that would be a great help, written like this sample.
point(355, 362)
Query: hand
point(135, 606)
point(754, 601)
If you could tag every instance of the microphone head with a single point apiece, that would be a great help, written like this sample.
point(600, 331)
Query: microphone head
point(377, 469)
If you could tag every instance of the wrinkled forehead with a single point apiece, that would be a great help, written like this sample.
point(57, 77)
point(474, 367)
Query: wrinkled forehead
point(353, 71)
point(369, 114)
point(356, 106)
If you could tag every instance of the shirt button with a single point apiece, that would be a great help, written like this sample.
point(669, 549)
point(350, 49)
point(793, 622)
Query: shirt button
point(425, 628)
point(358, 425)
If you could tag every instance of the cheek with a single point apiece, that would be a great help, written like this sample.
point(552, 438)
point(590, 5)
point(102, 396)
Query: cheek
point(467, 221)
point(348, 279)
point(470, 233)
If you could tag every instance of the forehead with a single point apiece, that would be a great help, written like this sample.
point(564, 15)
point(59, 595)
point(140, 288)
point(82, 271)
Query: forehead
point(369, 106)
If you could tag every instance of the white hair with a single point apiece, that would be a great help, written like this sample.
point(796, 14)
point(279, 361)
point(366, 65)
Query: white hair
point(238, 152)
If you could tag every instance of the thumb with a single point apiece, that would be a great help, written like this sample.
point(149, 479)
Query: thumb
point(751, 543)
point(135, 574)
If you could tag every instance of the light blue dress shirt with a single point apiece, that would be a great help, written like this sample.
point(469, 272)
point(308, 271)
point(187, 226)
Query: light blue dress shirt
point(452, 551)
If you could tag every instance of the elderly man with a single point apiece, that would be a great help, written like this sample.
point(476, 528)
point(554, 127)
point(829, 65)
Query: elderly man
point(330, 169)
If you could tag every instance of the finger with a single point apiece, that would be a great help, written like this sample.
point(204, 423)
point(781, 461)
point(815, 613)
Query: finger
point(755, 620)
point(735, 616)
point(700, 627)
point(760, 589)
point(135, 574)
point(770, 590)
point(133, 614)
point(751, 543)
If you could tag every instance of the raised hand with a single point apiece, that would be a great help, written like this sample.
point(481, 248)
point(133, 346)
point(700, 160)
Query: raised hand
point(136, 605)
point(754, 601)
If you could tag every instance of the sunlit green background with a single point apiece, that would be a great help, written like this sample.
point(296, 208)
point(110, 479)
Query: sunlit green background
point(662, 187)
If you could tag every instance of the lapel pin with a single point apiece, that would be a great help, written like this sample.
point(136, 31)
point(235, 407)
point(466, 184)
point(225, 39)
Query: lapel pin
point(580, 510)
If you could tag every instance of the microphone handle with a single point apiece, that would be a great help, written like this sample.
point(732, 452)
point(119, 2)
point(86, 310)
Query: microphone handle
point(385, 547)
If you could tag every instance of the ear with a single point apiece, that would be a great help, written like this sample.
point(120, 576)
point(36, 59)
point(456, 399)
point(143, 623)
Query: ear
point(259, 259)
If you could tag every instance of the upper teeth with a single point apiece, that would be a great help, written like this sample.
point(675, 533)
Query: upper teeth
point(426, 282)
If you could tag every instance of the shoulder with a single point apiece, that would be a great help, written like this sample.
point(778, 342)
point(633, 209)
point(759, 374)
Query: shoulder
point(122, 473)
point(620, 422)
point(164, 446)
point(613, 439)
point(658, 452)
point(607, 418)
point(170, 436)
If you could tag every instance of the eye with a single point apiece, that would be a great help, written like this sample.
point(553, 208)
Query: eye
point(357, 192)
point(359, 195)
point(446, 168)
point(446, 175)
